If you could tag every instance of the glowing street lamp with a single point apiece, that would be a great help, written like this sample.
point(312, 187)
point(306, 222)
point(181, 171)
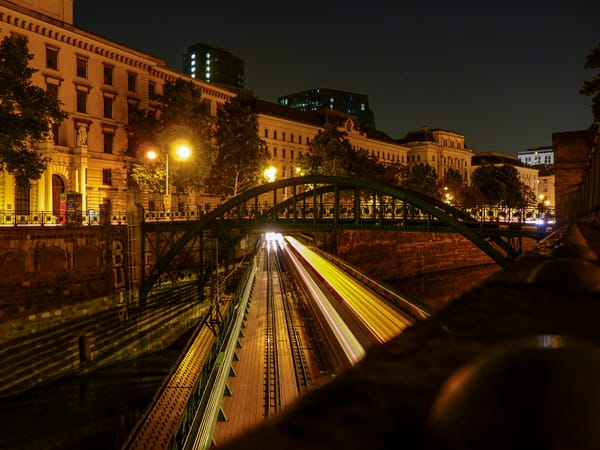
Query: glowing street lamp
point(182, 151)
point(270, 173)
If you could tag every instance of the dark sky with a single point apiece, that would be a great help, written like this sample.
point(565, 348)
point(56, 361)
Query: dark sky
point(506, 74)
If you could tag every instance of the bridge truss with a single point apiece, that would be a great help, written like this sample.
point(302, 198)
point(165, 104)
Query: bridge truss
point(180, 250)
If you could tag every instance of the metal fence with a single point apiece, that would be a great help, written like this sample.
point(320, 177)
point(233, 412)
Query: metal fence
point(482, 213)
point(95, 218)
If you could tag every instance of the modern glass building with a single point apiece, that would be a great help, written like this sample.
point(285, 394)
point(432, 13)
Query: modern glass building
point(214, 65)
point(322, 99)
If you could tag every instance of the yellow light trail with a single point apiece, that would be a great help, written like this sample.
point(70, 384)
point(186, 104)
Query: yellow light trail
point(381, 319)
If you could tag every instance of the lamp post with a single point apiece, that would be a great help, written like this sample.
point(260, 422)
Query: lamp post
point(183, 152)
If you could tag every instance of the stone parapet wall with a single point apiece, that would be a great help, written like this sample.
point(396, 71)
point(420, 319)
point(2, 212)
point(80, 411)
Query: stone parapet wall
point(53, 268)
point(387, 255)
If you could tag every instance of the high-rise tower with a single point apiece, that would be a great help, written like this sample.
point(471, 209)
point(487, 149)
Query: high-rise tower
point(214, 65)
point(323, 99)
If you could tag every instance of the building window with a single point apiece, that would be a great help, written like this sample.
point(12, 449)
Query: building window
point(55, 129)
point(266, 133)
point(283, 136)
point(151, 89)
point(131, 81)
point(292, 137)
point(106, 177)
point(275, 134)
point(291, 154)
point(275, 152)
point(52, 58)
point(283, 152)
point(52, 89)
point(108, 141)
point(108, 107)
point(22, 201)
point(82, 67)
point(108, 75)
point(82, 101)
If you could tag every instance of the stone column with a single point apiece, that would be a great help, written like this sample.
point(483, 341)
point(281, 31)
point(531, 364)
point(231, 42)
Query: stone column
point(81, 164)
point(46, 146)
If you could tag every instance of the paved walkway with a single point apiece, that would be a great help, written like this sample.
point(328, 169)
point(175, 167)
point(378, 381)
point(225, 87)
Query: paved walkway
point(245, 408)
point(385, 401)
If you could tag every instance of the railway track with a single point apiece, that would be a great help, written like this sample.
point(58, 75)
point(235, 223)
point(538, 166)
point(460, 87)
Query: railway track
point(272, 385)
point(284, 336)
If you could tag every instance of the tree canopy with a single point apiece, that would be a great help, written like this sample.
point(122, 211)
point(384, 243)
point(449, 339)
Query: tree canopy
point(26, 114)
point(181, 116)
point(501, 185)
point(331, 153)
point(592, 87)
point(422, 178)
point(241, 155)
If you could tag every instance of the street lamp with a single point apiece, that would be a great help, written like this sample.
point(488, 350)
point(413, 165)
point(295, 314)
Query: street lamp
point(182, 151)
point(270, 173)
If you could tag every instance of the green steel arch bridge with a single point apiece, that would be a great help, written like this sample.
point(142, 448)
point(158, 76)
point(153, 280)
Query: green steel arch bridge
point(311, 204)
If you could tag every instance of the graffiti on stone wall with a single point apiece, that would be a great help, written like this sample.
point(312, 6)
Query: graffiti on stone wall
point(118, 265)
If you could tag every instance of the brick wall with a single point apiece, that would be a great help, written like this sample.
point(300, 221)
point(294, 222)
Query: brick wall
point(44, 269)
point(392, 255)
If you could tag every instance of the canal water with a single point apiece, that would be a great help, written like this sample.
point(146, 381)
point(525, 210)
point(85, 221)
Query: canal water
point(97, 411)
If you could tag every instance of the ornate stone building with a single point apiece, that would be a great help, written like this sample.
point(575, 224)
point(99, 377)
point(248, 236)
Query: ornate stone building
point(441, 149)
point(98, 81)
point(288, 132)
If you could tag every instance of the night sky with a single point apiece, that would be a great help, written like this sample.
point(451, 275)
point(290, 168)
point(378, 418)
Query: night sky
point(505, 74)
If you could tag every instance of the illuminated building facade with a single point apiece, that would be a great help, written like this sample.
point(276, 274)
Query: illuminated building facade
point(288, 132)
point(322, 99)
point(541, 156)
point(98, 82)
point(441, 149)
point(213, 65)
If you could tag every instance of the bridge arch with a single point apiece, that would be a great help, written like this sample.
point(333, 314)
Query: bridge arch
point(329, 203)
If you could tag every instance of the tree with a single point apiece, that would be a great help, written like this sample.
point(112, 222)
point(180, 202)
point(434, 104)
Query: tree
point(26, 114)
point(181, 115)
point(422, 178)
point(242, 156)
point(331, 153)
point(592, 87)
point(501, 185)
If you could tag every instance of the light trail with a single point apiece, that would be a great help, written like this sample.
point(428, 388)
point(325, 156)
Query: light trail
point(380, 318)
point(349, 344)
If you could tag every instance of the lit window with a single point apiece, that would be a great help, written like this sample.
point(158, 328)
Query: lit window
point(193, 56)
